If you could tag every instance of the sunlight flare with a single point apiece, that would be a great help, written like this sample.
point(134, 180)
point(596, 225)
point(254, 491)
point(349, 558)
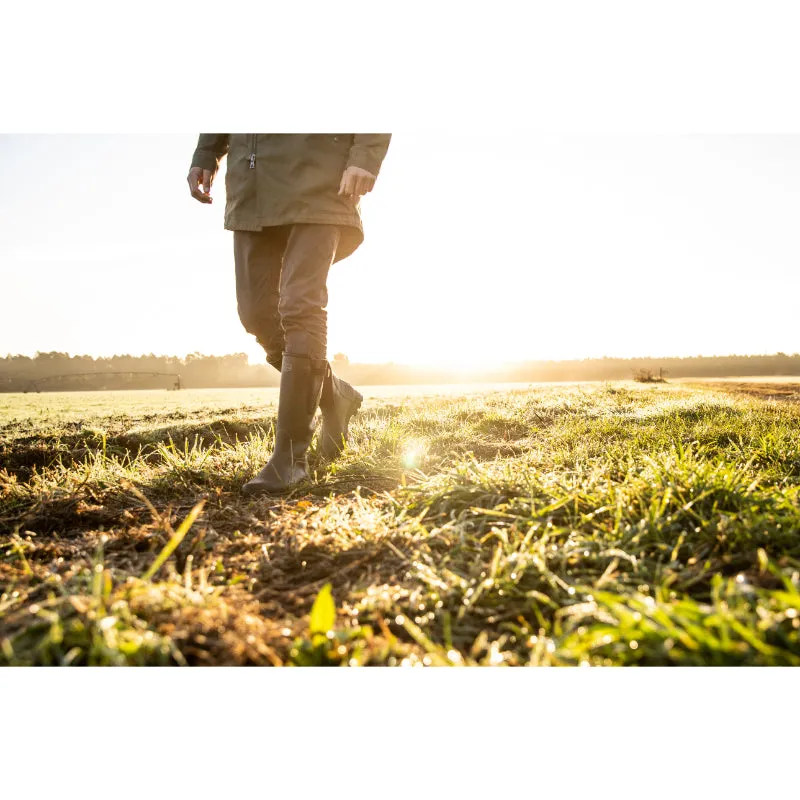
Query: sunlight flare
point(414, 452)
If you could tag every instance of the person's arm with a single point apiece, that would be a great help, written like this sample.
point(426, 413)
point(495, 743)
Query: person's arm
point(211, 149)
point(364, 163)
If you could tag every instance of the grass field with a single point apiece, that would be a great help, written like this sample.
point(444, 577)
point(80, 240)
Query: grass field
point(588, 524)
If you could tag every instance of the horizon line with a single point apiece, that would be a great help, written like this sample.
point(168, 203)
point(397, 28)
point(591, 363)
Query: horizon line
point(417, 365)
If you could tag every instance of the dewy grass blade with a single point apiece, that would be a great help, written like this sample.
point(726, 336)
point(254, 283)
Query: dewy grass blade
point(176, 539)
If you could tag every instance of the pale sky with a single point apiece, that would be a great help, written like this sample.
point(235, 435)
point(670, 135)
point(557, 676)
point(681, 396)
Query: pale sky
point(479, 248)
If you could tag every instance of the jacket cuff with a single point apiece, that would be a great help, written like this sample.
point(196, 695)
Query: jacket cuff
point(205, 160)
point(364, 158)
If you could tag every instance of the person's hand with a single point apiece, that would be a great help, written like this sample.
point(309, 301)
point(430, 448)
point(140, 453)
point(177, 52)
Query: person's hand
point(200, 177)
point(356, 181)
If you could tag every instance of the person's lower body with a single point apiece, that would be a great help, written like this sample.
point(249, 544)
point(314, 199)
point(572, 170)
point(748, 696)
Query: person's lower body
point(281, 288)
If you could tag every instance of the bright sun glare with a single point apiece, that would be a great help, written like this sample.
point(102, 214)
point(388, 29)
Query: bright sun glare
point(414, 453)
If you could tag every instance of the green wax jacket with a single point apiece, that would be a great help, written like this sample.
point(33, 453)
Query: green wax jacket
point(284, 178)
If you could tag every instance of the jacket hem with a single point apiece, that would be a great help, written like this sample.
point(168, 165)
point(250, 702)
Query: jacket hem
point(351, 239)
point(234, 224)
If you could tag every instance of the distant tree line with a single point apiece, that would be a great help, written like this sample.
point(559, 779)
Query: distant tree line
point(56, 371)
point(61, 372)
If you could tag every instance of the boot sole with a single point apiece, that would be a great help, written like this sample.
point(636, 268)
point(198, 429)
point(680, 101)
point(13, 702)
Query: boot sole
point(254, 490)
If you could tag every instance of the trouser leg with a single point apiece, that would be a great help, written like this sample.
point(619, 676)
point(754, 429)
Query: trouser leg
point(310, 250)
point(258, 256)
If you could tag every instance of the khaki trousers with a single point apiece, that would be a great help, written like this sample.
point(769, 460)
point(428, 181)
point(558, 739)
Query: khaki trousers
point(281, 287)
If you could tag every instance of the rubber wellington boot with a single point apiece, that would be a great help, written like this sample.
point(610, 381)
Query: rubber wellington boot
point(338, 403)
point(301, 386)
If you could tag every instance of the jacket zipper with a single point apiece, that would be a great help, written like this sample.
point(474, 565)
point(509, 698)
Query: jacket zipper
point(253, 152)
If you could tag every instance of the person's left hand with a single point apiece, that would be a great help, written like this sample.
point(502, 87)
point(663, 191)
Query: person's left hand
point(356, 181)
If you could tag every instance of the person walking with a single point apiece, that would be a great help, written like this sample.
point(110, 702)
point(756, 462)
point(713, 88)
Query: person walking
point(293, 206)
